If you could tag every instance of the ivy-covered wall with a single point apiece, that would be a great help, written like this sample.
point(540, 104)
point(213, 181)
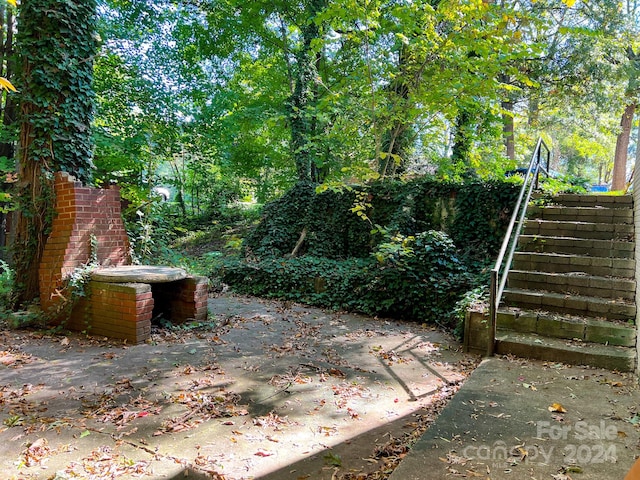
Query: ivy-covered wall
point(401, 249)
point(474, 215)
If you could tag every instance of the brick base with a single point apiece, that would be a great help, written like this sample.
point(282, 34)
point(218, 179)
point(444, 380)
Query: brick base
point(182, 300)
point(125, 310)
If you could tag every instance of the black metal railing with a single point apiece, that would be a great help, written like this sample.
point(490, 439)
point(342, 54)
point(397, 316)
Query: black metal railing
point(503, 263)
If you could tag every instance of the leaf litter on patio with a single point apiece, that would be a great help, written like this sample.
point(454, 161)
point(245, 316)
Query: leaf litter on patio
point(262, 388)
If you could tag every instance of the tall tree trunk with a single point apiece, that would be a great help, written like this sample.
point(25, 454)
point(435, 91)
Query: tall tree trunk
point(462, 137)
point(508, 129)
point(56, 44)
point(507, 121)
point(396, 139)
point(303, 98)
point(619, 181)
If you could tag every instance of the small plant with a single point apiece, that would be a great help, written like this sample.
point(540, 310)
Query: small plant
point(564, 184)
point(7, 285)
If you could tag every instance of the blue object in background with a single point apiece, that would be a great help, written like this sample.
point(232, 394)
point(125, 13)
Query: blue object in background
point(599, 188)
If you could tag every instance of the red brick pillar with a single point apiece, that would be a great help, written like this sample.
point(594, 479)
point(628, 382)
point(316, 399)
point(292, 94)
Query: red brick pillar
point(80, 213)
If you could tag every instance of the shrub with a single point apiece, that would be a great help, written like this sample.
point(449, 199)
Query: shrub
point(416, 278)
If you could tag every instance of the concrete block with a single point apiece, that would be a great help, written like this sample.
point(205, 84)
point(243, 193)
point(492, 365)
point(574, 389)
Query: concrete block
point(610, 333)
point(560, 327)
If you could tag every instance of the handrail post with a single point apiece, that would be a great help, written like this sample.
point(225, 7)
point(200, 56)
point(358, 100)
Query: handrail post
point(548, 159)
point(493, 313)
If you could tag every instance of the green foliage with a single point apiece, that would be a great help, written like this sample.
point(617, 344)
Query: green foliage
point(346, 223)
point(7, 286)
point(57, 44)
point(410, 268)
point(152, 229)
point(564, 184)
point(483, 211)
point(417, 278)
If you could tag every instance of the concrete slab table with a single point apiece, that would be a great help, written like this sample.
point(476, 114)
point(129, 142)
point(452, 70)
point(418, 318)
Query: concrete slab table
point(123, 301)
point(139, 274)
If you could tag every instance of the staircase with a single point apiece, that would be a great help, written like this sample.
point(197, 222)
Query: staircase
point(570, 293)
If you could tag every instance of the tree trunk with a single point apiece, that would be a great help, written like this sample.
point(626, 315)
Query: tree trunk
point(33, 222)
point(303, 98)
point(619, 181)
point(508, 129)
point(397, 138)
point(57, 44)
point(462, 137)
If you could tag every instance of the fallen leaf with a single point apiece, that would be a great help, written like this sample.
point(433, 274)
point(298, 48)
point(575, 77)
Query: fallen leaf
point(557, 407)
point(36, 452)
point(333, 460)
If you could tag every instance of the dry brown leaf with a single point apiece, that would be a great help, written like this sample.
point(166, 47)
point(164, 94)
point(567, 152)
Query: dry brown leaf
point(36, 452)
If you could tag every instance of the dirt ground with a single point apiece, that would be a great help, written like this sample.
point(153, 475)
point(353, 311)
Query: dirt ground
point(268, 390)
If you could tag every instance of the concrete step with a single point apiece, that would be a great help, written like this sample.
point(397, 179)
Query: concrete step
point(574, 229)
point(571, 283)
point(569, 304)
point(529, 345)
point(567, 327)
point(577, 246)
point(608, 201)
point(565, 263)
point(581, 214)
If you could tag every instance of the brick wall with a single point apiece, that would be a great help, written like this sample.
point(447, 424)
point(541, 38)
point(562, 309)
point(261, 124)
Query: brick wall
point(81, 212)
point(115, 310)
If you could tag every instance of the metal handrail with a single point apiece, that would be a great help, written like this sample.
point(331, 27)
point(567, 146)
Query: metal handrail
point(501, 268)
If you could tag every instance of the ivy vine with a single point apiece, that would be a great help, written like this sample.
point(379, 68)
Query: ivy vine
point(57, 44)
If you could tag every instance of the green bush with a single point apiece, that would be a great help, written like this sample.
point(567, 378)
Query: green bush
point(417, 278)
point(383, 249)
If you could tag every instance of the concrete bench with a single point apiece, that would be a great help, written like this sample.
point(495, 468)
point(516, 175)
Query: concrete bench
point(122, 301)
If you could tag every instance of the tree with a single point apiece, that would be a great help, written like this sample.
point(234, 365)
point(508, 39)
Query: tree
point(619, 181)
point(56, 45)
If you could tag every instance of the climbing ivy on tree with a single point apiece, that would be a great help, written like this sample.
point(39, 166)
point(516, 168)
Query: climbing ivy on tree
point(56, 46)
